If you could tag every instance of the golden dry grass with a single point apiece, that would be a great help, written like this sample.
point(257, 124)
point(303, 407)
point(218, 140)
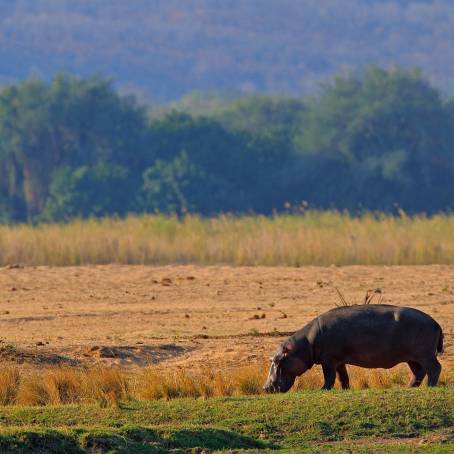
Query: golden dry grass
point(292, 240)
point(110, 386)
point(57, 386)
point(9, 385)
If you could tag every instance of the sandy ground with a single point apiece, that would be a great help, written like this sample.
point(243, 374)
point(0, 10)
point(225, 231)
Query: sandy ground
point(188, 316)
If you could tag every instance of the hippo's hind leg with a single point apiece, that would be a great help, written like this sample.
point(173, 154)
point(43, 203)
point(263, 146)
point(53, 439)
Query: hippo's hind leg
point(433, 369)
point(418, 374)
point(329, 374)
point(343, 376)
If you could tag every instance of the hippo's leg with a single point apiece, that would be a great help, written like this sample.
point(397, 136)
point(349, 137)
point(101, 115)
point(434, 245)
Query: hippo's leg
point(329, 373)
point(418, 374)
point(343, 376)
point(433, 369)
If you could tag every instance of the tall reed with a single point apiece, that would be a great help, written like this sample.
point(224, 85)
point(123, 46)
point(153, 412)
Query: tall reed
point(310, 238)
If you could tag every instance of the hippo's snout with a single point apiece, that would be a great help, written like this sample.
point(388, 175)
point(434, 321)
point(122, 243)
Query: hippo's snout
point(269, 389)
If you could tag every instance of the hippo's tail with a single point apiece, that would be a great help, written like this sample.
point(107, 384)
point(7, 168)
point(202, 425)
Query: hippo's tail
point(440, 342)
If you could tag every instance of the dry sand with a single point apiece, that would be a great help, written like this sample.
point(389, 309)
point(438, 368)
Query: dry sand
point(189, 316)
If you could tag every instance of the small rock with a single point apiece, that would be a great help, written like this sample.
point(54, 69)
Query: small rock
point(14, 266)
point(166, 281)
point(39, 343)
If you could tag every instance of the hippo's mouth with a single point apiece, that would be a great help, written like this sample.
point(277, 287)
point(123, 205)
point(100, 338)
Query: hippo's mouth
point(270, 389)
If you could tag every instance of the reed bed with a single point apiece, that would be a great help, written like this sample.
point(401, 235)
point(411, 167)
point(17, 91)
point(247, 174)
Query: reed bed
point(310, 238)
point(110, 386)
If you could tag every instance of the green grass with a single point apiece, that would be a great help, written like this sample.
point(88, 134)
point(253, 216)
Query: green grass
point(292, 240)
point(380, 419)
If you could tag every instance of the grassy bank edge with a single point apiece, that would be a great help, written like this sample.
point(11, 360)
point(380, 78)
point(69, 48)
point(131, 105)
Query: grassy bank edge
point(148, 440)
point(335, 419)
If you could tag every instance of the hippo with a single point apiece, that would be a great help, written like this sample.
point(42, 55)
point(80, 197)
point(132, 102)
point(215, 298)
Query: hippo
point(365, 335)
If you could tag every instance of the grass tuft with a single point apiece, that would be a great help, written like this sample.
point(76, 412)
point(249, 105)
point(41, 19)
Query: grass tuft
point(9, 385)
point(250, 379)
point(107, 386)
point(33, 391)
point(64, 386)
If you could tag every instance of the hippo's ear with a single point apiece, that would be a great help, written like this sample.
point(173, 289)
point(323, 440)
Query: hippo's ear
point(288, 347)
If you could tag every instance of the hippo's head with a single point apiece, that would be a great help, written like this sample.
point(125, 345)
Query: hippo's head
point(290, 361)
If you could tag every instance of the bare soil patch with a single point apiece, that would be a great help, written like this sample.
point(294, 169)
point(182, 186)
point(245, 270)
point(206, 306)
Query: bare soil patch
point(189, 316)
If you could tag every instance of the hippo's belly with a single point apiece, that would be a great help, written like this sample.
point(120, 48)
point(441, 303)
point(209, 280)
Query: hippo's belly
point(373, 361)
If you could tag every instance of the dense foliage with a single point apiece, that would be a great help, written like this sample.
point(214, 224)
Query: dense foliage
point(76, 148)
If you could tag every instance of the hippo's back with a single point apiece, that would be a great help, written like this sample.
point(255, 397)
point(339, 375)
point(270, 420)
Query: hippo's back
point(373, 314)
point(378, 335)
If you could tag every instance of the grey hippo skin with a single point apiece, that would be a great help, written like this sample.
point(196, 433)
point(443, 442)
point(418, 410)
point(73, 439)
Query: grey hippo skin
point(372, 336)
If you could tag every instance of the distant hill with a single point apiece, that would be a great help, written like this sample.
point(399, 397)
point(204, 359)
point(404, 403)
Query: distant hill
point(164, 49)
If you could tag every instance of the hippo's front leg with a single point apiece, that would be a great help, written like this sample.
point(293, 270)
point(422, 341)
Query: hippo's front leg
point(343, 376)
point(329, 373)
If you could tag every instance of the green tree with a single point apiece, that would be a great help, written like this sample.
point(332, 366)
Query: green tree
point(393, 131)
point(88, 191)
point(262, 115)
point(232, 171)
point(69, 121)
point(171, 187)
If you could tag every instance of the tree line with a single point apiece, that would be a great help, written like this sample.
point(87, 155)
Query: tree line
point(74, 147)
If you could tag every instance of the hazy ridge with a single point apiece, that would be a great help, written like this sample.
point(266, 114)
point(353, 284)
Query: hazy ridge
point(165, 49)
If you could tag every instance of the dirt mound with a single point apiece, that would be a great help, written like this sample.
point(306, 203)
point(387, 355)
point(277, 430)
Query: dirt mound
point(11, 353)
point(140, 355)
